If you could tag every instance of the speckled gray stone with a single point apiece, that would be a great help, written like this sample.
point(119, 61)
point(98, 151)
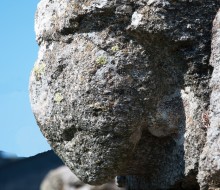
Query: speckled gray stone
point(119, 87)
point(209, 174)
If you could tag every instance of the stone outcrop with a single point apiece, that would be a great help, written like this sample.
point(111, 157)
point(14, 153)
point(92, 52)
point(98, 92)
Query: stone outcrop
point(122, 88)
point(63, 179)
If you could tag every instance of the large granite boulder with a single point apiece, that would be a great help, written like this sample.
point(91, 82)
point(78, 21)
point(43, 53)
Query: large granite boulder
point(121, 87)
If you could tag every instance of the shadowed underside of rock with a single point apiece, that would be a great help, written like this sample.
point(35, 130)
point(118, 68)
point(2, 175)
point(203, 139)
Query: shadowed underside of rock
point(120, 87)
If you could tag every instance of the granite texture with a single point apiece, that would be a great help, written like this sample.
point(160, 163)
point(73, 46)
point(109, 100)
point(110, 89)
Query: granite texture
point(121, 88)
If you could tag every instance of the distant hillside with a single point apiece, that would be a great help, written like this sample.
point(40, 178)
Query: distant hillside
point(6, 158)
point(27, 173)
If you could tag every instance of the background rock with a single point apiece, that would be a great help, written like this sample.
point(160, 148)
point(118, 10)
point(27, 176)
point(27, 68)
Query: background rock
point(63, 179)
point(121, 87)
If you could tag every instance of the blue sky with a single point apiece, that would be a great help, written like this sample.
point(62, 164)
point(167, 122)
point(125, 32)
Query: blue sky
point(19, 133)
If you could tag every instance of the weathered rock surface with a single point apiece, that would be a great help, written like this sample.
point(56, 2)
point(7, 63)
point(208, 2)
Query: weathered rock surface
point(63, 179)
point(209, 175)
point(121, 87)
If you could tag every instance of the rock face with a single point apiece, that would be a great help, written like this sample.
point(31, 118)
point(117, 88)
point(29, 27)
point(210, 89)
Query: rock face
point(209, 175)
point(63, 179)
point(122, 88)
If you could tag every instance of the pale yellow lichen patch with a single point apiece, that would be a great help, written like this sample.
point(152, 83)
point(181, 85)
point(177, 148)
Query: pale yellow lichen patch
point(58, 97)
point(115, 48)
point(39, 70)
point(101, 60)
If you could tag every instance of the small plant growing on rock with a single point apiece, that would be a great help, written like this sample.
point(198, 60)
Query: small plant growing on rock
point(39, 70)
point(101, 60)
point(58, 97)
